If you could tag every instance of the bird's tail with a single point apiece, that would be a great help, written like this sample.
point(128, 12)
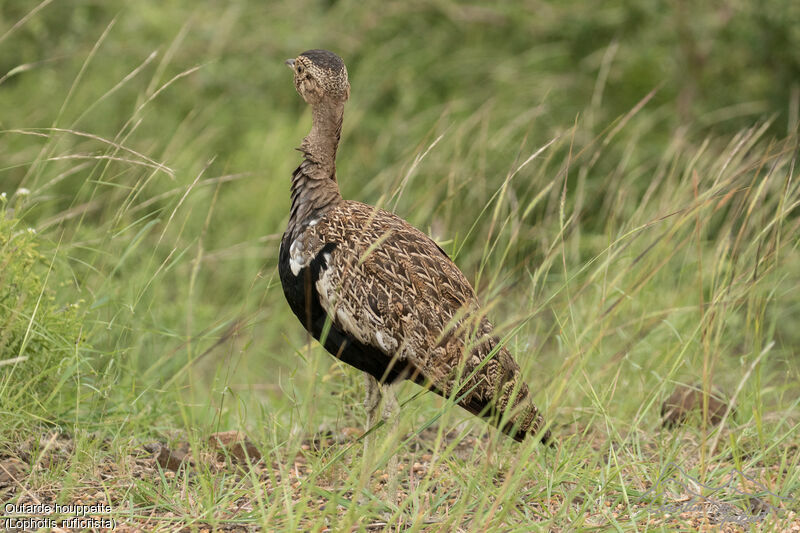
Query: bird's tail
point(520, 420)
point(494, 389)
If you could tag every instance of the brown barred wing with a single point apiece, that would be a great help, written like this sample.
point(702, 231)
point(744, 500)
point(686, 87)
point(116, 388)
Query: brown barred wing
point(389, 286)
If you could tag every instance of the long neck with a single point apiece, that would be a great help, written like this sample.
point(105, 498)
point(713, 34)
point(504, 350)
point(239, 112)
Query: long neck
point(321, 143)
point(314, 187)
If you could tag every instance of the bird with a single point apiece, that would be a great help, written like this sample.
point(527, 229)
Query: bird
point(381, 295)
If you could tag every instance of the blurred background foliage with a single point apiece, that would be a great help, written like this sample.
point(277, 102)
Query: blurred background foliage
point(157, 140)
point(417, 69)
point(717, 66)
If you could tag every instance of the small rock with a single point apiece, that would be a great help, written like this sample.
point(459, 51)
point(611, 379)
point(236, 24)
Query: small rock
point(352, 432)
point(11, 471)
point(152, 447)
point(687, 399)
point(236, 445)
point(757, 506)
point(171, 460)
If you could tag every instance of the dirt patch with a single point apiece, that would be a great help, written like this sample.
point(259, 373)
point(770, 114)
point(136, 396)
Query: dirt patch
point(156, 486)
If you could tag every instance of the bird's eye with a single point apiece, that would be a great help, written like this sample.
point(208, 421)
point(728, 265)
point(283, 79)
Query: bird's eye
point(299, 69)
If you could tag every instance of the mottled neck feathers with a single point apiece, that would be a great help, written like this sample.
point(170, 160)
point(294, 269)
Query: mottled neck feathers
point(321, 143)
point(314, 187)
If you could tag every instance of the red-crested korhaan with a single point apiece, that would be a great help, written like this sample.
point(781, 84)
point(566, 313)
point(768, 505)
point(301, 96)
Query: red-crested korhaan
point(378, 293)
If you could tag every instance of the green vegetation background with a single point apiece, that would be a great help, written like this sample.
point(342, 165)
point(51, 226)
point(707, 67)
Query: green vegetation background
point(493, 80)
point(156, 140)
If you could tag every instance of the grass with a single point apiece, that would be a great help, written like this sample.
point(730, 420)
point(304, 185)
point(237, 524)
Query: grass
point(627, 234)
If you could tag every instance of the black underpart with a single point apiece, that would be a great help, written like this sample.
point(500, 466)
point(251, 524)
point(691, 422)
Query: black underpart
point(301, 293)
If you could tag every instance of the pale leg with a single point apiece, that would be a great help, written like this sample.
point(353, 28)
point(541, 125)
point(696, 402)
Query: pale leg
point(372, 400)
point(390, 412)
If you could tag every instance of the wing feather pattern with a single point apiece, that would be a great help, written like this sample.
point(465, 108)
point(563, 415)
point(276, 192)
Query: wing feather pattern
point(392, 290)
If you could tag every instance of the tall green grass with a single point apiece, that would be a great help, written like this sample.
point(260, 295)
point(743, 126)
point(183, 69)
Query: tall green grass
point(626, 234)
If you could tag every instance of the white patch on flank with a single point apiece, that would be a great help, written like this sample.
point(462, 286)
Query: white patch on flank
point(348, 323)
point(297, 260)
point(342, 314)
point(325, 289)
point(386, 343)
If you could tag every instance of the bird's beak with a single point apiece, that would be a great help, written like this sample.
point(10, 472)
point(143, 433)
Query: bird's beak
point(290, 63)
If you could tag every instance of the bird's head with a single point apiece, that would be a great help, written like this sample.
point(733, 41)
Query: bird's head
point(320, 77)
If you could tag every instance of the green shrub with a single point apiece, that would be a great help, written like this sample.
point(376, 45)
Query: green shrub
point(40, 337)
